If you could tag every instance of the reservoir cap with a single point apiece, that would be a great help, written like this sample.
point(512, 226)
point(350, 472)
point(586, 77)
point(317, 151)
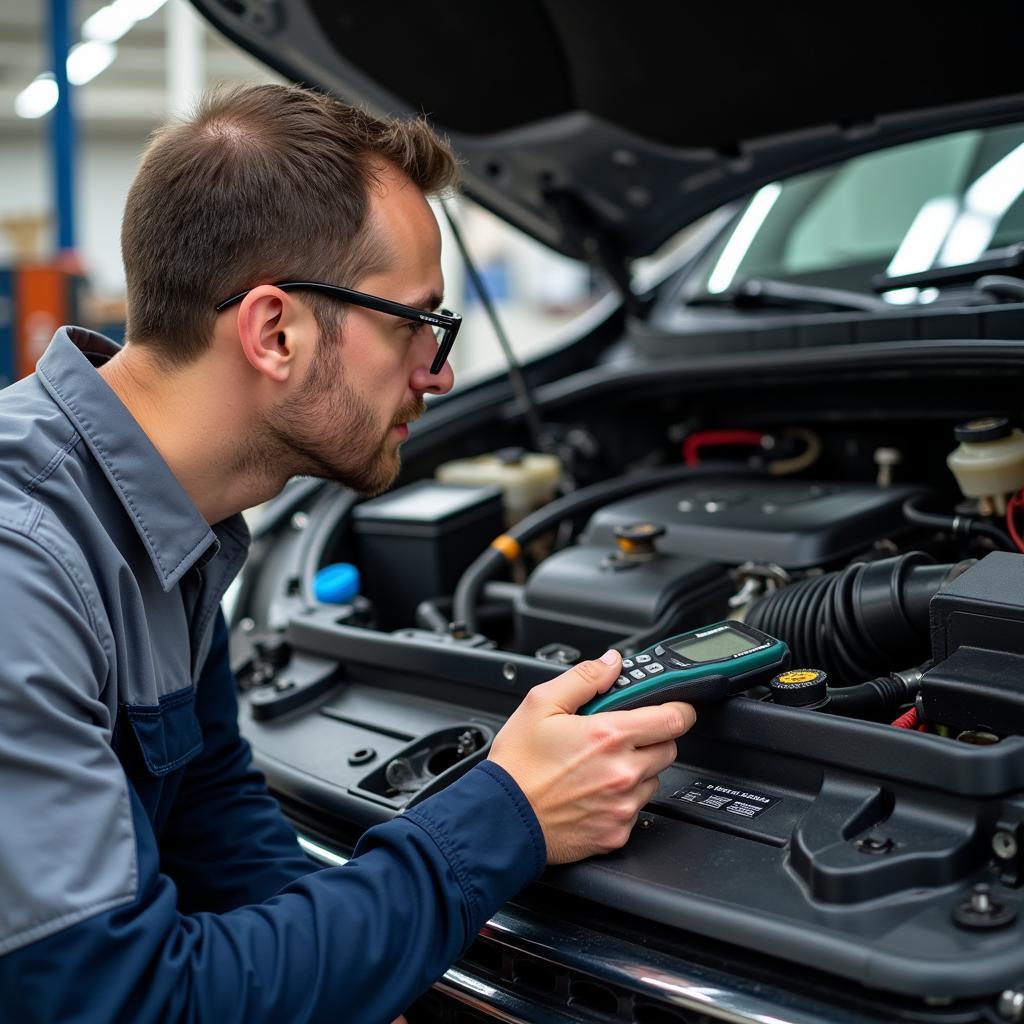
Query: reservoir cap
point(991, 428)
point(337, 583)
point(799, 687)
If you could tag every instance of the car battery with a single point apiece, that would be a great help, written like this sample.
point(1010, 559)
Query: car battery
point(414, 543)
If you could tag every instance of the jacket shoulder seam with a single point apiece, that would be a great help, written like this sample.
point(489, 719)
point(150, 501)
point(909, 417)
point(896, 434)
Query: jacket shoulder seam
point(30, 531)
point(55, 460)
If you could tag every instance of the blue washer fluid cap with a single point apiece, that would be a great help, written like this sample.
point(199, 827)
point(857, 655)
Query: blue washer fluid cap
point(337, 583)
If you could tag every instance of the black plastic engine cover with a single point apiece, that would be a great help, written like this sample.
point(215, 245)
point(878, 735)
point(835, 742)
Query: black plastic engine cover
point(791, 523)
point(813, 838)
point(585, 598)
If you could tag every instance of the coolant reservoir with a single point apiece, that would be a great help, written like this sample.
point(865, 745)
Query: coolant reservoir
point(527, 479)
point(990, 459)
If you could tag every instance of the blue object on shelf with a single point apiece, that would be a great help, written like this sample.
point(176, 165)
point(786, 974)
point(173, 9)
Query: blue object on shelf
point(337, 583)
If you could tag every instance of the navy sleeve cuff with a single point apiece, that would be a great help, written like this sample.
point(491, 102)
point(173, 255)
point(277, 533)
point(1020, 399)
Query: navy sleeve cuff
point(526, 812)
point(488, 833)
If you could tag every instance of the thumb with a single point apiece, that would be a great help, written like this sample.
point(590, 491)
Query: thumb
point(583, 681)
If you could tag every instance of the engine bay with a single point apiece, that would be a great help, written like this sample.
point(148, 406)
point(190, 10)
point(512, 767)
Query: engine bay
point(866, 820)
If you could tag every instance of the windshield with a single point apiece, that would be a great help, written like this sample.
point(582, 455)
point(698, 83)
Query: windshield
point(937, 203)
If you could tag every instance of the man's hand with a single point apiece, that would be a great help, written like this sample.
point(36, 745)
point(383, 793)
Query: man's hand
point(587, 777)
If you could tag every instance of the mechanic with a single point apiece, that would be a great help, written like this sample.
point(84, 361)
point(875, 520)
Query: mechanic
point(147, 873)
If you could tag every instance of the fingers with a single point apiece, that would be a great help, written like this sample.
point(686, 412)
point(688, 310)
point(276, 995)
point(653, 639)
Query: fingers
point(647, 791)
point(656, 724)
point(582, 682)
point(656, 758)
point(636, 772)
point(587, 777)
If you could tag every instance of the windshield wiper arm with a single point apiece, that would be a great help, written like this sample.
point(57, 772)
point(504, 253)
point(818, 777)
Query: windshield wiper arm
point(767, 291)
point(1009, 258)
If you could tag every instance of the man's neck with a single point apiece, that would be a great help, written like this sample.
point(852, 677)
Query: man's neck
point(198, 423)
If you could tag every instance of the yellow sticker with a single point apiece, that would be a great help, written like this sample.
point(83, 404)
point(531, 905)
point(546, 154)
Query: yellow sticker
point(798, 676)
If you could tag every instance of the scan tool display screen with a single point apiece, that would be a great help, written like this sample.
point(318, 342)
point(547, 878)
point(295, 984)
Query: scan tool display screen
point(723, 644)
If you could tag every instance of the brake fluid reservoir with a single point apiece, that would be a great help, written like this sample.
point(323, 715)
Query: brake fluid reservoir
point(527, 479)
point(989, 461)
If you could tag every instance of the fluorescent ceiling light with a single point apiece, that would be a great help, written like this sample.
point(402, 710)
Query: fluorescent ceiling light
point(109, 23)
point(37, 98)
point(144, 8)
point(87, 60)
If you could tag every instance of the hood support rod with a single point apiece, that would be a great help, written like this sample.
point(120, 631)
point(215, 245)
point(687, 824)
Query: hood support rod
point(538, 437)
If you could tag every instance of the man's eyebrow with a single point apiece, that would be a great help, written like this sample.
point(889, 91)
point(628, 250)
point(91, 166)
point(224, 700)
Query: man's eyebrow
point(428, 303)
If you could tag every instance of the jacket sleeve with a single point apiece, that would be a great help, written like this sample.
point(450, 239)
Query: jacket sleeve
point(90, 927)
point(226, 842)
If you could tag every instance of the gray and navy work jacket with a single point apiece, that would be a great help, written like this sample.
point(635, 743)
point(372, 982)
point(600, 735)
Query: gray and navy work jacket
point(146, 875)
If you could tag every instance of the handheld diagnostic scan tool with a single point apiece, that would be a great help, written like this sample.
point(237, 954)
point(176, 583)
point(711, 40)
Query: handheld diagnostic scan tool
point(710, 663)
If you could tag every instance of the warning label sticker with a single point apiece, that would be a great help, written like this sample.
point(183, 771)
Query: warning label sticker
point(744, 803)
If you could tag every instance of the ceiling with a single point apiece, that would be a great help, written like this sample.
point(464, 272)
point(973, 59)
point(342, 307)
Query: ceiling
point(129, 97)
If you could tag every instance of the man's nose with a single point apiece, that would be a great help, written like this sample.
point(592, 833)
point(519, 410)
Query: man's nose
point(432, 383)
point(422, 379)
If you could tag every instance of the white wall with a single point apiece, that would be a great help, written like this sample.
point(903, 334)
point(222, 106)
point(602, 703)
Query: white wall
point(105, 171)
point(546, 291)
point(106, 175)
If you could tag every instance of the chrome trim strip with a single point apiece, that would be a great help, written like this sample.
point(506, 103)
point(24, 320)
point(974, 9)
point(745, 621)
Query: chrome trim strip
point(657, 976)
point(498, 1003)
point(648, 973)
point(321, 853)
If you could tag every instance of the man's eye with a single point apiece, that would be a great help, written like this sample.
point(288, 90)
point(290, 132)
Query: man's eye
point(414, 326)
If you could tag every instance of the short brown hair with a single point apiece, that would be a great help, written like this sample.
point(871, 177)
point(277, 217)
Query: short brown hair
point(262, 183)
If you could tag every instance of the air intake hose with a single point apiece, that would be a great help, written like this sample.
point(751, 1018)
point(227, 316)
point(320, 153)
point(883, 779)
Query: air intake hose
point(859, 622)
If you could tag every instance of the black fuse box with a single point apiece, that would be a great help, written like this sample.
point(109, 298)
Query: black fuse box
point(982, 607)
point(977, 632)
point(414, 543)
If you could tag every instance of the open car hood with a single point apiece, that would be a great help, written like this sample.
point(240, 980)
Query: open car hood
point(801, 846)
point(602, 129)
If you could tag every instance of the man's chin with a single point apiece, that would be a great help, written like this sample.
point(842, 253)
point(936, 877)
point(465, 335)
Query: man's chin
point(370, 485)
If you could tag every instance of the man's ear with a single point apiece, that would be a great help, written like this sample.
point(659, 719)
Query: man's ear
point(271, 330)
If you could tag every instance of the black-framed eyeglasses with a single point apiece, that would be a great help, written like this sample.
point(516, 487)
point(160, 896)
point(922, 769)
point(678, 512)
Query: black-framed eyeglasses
point(445, 323)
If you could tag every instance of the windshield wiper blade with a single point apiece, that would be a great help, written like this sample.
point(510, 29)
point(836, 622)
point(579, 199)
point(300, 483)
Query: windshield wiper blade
point(768, 291)
point(1010, 258)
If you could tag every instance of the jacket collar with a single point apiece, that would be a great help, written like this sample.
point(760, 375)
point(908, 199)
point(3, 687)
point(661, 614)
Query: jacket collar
point(174, 533)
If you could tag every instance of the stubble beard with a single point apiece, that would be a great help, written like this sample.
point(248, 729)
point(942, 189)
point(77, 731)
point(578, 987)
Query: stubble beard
point(329, 431)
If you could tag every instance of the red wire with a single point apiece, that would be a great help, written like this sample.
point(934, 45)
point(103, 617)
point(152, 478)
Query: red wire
point(1011, 507)
point(908, 720)
point(701, 438)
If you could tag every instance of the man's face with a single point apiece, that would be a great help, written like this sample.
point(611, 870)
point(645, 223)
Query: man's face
point(348, 417)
